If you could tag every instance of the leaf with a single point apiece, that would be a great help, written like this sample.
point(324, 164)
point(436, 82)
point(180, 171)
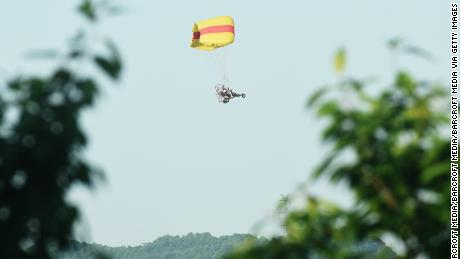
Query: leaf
point(356, 85)
point(328, 108)
point(87, 9)
point(75, 54)
point(340, 60)
point(405, 82)
point(435, 171)
point(437, 91)
point(106, 65)
point(399, 44)
point(324, 165)
point(395, 43)
point(15, 84)
point(110, 65)
point(89, 90)
point(417, 113)
point(316, 96)
point(419, 52)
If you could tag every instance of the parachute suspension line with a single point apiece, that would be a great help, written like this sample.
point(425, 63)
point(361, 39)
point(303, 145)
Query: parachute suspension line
point(221, 56)
point(224, 64)
point(218, 58)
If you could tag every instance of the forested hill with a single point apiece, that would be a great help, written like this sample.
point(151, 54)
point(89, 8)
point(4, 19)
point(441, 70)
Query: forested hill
point(191, 246)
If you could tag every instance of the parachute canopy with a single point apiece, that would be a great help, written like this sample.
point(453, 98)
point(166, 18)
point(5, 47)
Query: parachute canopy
point(213, 33)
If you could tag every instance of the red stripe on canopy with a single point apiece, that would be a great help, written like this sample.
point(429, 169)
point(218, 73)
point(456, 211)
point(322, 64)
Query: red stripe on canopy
point(214, 29)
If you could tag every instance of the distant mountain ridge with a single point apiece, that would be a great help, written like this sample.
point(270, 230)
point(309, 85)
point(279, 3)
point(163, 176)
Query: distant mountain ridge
point(195, 246)
point(190, 246)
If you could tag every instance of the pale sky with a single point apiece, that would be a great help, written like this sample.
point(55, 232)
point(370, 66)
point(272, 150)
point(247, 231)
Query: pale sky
point(176, 160)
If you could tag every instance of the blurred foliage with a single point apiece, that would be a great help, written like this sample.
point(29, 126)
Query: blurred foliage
point(191, 246)
point(41, 141)
point(389, 149)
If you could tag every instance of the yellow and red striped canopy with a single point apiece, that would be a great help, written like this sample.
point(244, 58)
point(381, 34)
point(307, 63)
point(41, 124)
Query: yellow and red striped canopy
point(213, 33)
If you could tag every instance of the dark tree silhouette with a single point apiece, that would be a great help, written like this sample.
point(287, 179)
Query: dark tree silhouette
point(40, 148)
